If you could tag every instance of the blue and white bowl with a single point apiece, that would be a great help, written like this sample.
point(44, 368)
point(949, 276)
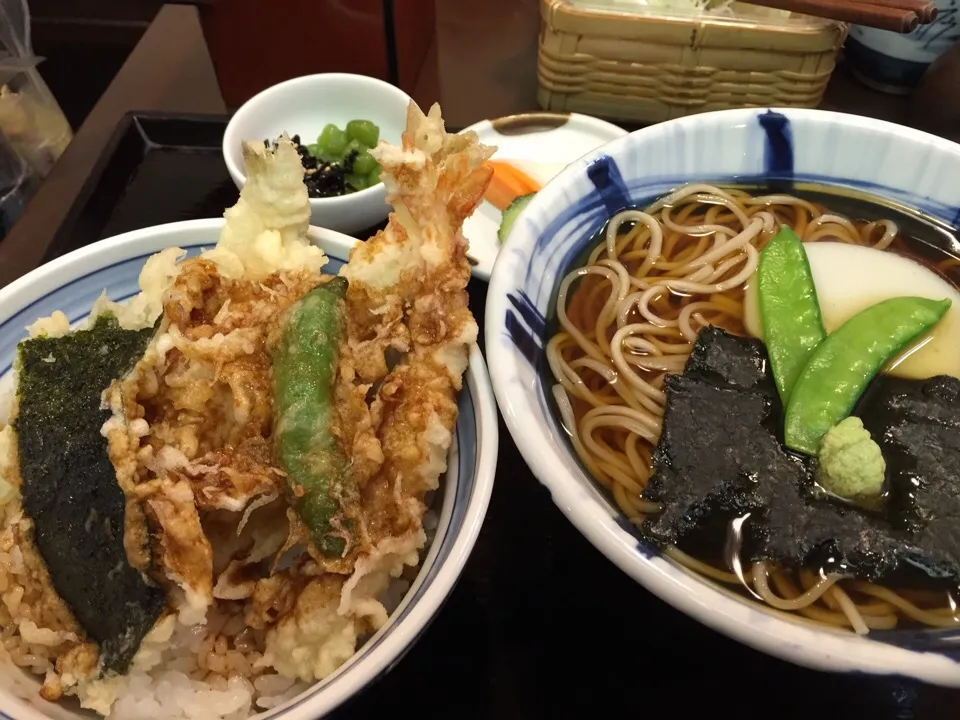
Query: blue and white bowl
point(895, 63)
point(73, 282)
point(742, 146)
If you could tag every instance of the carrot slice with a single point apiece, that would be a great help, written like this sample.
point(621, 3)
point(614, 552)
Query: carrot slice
point(508, 183)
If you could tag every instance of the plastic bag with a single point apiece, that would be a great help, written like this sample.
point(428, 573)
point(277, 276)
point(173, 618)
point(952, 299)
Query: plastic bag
point(18, 182)
point(30, 117)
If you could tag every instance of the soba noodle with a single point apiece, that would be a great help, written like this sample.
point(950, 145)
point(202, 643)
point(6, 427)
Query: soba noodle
point(629, 317)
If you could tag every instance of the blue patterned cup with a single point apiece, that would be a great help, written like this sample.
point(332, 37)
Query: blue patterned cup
point(895, 63)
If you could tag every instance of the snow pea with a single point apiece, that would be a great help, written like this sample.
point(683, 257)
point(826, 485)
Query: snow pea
point(305, 365)
point(792, 324)
point(840, 369)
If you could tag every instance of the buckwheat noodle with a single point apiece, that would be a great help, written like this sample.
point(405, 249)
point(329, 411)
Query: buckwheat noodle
point(629, 317)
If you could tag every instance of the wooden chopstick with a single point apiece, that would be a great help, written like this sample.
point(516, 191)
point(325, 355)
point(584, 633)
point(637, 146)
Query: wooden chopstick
point(925, 10)
point(857, 12)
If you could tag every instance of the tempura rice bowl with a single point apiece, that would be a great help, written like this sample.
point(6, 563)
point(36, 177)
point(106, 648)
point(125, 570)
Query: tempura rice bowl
point(72, 284)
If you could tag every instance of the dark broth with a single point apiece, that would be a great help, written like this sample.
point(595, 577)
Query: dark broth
point(921, 238)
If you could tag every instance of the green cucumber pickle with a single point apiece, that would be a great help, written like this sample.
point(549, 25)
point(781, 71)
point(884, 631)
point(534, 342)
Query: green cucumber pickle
point(363, 131)
point(332, 141)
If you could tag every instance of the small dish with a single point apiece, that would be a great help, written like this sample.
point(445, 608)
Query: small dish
point(894, 63)
point(543, 144)
point(303, 106)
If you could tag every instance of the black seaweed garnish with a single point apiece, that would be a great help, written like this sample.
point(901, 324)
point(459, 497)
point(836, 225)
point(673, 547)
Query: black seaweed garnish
point(730, 360)
point(706, 467)
point(323, 179)
point(721, 457)
point(69, 485)
point(917, 424)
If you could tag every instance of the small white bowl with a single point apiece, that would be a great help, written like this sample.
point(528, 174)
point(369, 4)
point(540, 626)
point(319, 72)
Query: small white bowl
point(303, 106)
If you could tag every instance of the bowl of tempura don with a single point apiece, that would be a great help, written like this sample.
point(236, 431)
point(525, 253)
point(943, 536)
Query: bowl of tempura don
point(243, 461)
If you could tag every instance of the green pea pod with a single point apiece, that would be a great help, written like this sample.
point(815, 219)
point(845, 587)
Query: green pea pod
point(841, 368)
point(304, 369)
point(792, 324)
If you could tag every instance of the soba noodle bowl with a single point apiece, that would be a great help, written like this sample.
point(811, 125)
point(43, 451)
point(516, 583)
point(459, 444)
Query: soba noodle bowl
point(630, 315)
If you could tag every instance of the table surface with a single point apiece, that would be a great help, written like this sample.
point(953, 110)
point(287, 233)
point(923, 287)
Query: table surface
point(540, 625)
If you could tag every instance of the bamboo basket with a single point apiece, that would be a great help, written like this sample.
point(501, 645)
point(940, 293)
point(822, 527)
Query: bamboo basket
point(650, 68)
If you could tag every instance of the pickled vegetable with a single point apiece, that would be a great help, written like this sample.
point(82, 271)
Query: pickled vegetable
point(364, 131)
point(340, 162)
point(364, 164)
point(332, 141)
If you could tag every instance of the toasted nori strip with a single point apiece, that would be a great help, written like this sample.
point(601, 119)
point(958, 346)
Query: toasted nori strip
point(917, 424)
point(721, 456)
point(719, 440)
point(706, 466)
point(703, 490)
point(69, 485)
point(722, 358)
point(801, 529)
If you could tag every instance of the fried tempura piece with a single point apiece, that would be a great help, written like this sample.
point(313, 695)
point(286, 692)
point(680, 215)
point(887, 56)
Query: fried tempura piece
point(191, 428)
point(434, 181)
point(409, 333)
point(186, 554)
point(265, 231)
point(408, 295)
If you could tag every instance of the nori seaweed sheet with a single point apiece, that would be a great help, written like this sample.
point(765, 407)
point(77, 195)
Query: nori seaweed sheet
point(707, 469)
point(917, 426)
point(725, 359)
point(721, 456)
point(69, 485)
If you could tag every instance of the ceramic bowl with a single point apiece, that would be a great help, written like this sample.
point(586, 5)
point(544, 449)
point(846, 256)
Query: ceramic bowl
point(895, 63)
point(738, 146)
point(73, 282)
point(303, 106)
